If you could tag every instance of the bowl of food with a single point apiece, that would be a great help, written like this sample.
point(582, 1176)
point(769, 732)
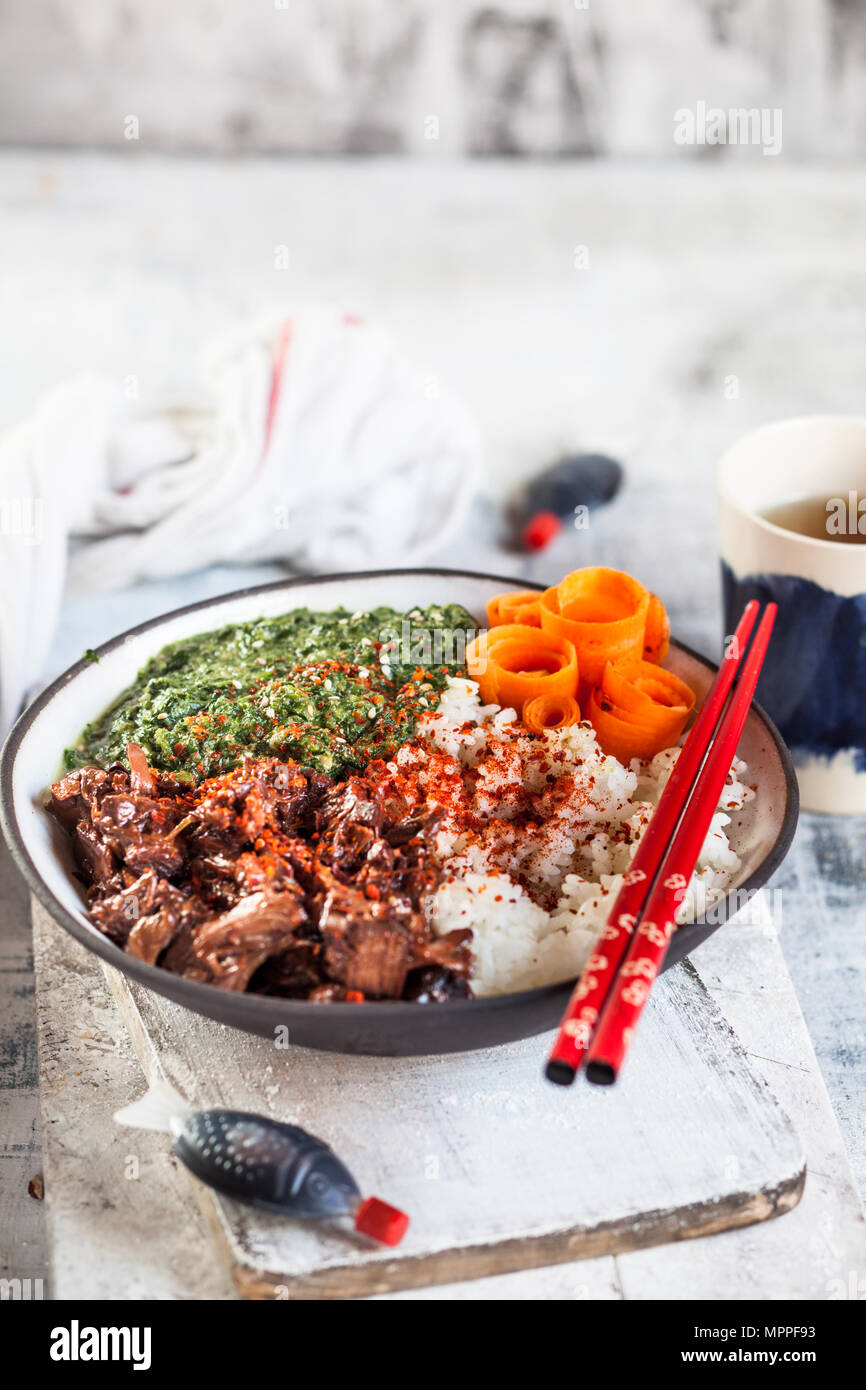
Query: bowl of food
point(343, 808)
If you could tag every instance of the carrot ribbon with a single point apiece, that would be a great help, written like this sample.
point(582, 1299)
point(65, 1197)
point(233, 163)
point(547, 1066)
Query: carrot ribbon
point(519, 607)
point(603, 612)
point(657, 634)
point(547, 712)
point(515, 662)
point(638, 710)
point(597, 628)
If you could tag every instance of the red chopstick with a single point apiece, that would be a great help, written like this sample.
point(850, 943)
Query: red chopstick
point(594, 984)
point(649, 945)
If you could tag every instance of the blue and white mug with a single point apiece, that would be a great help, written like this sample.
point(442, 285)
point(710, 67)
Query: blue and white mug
point(813, 684)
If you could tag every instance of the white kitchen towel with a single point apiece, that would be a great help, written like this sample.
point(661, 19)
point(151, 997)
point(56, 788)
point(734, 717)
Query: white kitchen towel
point(316, 442)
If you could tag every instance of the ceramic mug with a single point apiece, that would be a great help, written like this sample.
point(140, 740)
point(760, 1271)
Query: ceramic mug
point(813, 684)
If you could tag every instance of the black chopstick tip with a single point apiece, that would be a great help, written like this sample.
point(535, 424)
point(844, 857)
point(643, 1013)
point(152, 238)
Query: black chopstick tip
point(560, 1073)
point(600, 1073)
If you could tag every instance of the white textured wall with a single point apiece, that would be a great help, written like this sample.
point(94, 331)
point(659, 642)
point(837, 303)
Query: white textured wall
point(542, 77)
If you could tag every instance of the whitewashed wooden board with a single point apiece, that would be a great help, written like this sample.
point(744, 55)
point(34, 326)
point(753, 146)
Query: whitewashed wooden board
point(123, 1223)
point(499, 1170)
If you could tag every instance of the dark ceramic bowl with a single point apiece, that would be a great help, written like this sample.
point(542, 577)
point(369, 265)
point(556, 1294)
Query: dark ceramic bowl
point(761, 834)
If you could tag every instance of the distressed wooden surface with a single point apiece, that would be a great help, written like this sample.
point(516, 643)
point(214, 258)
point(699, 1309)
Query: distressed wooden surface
point(713, 299)
point(543, 77)
point(483, 1153)
point(120, 1221)
point(126, 1221)
point(23, 1253)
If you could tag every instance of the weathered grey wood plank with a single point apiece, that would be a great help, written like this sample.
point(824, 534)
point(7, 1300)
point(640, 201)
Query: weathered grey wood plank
point(120, 1219)
point(811, 1254)
point(22, 1223)
point(541, 77)
point(649, 383)
point(97, 1234)
point(499, 1170)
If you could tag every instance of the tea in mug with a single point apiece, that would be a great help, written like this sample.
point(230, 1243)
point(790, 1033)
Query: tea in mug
point(822, 518)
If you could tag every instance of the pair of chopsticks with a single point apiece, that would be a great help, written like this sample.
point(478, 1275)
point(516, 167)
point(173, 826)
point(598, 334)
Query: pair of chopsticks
point(609, 997)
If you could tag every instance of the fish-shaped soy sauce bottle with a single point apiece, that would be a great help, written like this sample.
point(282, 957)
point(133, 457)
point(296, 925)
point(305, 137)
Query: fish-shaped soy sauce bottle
point(549, 500)
point(264, 1163)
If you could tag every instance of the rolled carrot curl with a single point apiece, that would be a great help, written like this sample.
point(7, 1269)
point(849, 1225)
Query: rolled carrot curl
point(515, 662)
point(657, 635)
point(639, 709)
point(522, 606)
point(603, 612)
point(549, 712)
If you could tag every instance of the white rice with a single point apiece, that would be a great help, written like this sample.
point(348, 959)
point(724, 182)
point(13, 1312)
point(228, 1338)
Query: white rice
point(588, 813)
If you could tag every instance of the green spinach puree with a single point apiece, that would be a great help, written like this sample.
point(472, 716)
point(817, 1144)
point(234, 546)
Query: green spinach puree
point(330, 690)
